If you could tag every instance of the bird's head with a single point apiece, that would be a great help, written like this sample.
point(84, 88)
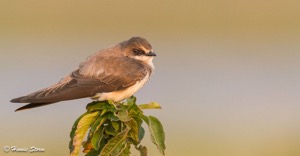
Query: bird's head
point(138, 48)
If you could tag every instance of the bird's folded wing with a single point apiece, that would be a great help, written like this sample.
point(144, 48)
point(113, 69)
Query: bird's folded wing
point(111, 73)
point(104, 75)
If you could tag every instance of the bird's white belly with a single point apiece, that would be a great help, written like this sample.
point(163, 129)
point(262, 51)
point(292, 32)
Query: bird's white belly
point(122, 94)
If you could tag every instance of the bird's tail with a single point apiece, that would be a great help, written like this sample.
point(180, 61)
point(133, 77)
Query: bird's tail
point(24, 99)
point(32, 105)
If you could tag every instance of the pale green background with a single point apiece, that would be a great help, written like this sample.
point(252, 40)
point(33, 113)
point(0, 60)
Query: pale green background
point(227, 72)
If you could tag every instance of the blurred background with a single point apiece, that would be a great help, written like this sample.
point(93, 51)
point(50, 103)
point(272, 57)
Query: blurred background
point(227, 72)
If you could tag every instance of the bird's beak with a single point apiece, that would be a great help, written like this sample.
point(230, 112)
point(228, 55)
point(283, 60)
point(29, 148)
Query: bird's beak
point(151, 53)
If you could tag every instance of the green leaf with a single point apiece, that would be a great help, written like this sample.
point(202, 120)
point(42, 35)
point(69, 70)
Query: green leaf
point(126, 151)
point(131, 100)
point(98, 123)
point(152, 105)
point(82, 126)
point(123, 115)
point(97, 138)
point(141, 133)
point(72, 133)
point(116, 144)
point(111, 116)
point(93, 152)
point(120, 150)
point(157, 133)
point(134, 110)
point(95, 125)
point(116, 125)
point(111, 102)
point(134, 131)
point(110, 130)
point(93, 105)
point(74, 127)
point(99, 106)
point(145, 118)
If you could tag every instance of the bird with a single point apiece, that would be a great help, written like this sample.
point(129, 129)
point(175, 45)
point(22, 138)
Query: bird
point(114, 73)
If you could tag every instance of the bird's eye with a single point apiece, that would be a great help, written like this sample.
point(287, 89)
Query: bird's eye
point(138, 52)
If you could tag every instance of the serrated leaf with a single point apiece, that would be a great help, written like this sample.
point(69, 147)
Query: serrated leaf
point(105, 138)
point(152, 105)
point(74, 127)
point(82, 127)
point(115, 144)
point(120, 150)
point(72, 133)
point(97, 138)
point(125, 151)
point(134, 131)
point(157, 133)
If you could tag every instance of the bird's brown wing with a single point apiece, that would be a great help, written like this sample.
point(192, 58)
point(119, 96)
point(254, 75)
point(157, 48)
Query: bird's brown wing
point(94, 76)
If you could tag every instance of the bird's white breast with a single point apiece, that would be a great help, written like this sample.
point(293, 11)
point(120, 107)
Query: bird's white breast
point(122, 94)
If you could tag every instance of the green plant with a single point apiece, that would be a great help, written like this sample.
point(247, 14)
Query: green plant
point(114, 127)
